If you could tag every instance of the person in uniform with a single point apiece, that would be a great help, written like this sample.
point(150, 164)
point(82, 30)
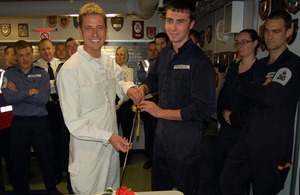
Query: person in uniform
point(232, 110)
point(161, 40)
point(148, 120)
point(185, 80)
point(6, 118)
point(61, 51)
point(27, 88)
point(88, 83)
point(124, 112)
point(51, 64)
point(264, 149)
point(71, 45)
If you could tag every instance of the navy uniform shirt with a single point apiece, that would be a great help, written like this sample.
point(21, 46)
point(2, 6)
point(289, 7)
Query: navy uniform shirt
point(24, 104)
point(269, 129)
point(184, 81)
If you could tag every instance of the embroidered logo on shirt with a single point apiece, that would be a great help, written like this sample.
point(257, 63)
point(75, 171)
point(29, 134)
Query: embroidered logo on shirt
point(34, 75)
point(182, 67)
point(282, 76)
point(270, 74)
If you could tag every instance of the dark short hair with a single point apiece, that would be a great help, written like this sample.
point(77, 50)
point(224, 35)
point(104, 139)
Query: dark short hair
point(72, 39)
point(196, 34)
point(280, 14)
point(162, 35)
point(182, 6)
point(7, 48)
point(151, 42)
point(254, 37)
point(22, 45)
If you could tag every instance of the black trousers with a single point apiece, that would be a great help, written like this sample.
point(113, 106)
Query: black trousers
point(244, 164)
point(55, 121)
point(149, 130)
point(27, 132)
point(125, 119)
point(4, 153)
point(176, 165)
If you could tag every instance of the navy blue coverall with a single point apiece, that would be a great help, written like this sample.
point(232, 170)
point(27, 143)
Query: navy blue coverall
point(265, 146)
point(185, 81)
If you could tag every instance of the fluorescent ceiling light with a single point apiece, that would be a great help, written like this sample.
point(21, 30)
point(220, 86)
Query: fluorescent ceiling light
point(107, 15)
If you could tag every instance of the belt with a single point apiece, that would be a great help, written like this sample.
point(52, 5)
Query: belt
point(6, 109)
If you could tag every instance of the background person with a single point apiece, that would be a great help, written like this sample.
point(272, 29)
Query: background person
point(61, 52)
point(50, 63)
point(72, 46)
point(124, 112)
point(148, 120)
point(264, 149)
point(29, 126)
point(232, 109)
point(161, 40)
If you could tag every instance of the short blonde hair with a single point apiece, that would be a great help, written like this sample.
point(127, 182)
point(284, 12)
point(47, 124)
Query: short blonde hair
point(124, 52)
point(91, 8)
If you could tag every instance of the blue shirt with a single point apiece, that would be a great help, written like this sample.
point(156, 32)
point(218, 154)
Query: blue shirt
point(24, 104)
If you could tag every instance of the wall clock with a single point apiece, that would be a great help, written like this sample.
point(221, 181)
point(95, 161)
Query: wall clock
point(220, 32)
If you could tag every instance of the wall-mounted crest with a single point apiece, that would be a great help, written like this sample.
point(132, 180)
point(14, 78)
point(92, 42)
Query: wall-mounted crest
point(52, 21)
point(151, 32)
point(117, 23)
point(5, 29)
point(63, 21)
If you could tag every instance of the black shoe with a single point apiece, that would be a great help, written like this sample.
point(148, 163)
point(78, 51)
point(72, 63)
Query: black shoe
point(147, 164)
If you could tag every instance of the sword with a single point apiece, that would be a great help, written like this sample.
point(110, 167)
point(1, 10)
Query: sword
point(137, 118)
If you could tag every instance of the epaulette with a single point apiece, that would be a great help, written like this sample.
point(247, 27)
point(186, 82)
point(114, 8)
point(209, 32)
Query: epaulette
point(35, 61)
point(129, 66)
point(37, 67)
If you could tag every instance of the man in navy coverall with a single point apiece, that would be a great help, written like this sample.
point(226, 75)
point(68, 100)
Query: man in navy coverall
point(185, 80)
point(264, 149)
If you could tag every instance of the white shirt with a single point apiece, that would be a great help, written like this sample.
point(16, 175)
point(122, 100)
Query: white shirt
point(54, 64)
point(87, 87)
point(128, 72)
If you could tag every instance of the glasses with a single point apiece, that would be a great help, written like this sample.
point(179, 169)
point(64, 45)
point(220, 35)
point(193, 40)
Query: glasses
point(243, 42)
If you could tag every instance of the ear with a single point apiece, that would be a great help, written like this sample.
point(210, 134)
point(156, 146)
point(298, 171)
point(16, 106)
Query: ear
point(289, 32)
point(80, 32)
point(255, 42)
point(192, 24)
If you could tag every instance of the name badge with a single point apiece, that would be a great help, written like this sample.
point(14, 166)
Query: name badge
point(270, 74)
point(34, 75)
point(182, 67)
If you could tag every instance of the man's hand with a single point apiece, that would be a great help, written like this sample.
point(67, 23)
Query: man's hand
point(119, 143)
point(136, 95)
point(226, 116)
point(34, 91)
point(151, 108)
point(11, 86)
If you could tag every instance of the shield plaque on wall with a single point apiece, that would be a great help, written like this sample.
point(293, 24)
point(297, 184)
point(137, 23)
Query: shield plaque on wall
point(151, 32)
point(63, 21)
point(5, 29)
point(117, 23)
point(52, 21)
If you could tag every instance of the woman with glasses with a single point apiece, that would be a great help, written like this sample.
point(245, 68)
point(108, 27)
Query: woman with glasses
point(231, 109)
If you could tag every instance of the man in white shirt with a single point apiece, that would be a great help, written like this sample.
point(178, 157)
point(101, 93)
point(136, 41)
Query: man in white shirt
point(87, 84)
point(51, 64)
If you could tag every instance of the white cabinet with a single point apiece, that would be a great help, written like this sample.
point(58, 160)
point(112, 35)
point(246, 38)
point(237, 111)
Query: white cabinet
point(233, 17)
